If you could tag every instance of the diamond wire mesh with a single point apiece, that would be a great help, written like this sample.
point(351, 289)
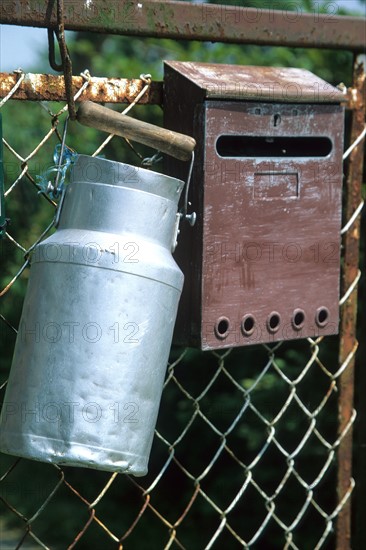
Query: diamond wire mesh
point(245, 446)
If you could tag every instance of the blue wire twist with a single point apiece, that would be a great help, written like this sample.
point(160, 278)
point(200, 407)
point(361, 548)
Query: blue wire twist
point(44, 180)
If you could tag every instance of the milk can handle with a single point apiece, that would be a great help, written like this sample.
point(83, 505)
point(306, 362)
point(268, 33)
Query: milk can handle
point(177, 145)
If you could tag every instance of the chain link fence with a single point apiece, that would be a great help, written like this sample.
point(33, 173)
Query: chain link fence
point(245, 452)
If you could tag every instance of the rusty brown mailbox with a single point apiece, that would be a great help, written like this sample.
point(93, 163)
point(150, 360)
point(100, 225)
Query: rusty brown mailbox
point(262, 262)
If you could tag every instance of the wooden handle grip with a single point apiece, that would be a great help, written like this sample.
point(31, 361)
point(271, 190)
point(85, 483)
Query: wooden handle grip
point(177, 145)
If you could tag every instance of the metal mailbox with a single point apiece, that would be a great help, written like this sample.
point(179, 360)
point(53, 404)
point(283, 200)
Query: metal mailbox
point(262, 262)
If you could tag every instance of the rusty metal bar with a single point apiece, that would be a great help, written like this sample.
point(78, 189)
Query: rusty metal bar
point(349, 311)
point(359, 444)
point(46, 87)
point(197, 21)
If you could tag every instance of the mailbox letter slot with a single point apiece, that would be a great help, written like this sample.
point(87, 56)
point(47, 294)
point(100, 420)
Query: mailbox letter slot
point(273, 146)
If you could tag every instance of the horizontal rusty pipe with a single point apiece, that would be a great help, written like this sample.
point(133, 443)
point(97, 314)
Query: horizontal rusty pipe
point(47, 87)
point(197, 21)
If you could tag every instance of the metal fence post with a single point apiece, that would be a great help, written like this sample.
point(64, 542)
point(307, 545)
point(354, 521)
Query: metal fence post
point(348, 341)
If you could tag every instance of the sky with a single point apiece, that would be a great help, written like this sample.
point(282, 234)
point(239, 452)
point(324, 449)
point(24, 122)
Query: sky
point(21, 46)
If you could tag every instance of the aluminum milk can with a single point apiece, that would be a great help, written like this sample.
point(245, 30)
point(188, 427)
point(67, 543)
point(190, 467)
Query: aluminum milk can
point(97, 323)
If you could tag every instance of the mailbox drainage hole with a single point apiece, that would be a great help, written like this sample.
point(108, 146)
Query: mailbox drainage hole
point(222, 327)
point(247, 325)
point(298, 319)
point(273, 322)
point(322, 316)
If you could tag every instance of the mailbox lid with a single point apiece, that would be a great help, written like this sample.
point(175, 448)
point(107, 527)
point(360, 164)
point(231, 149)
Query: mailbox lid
point(251, 83)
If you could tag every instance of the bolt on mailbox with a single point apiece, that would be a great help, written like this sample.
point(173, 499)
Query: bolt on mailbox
point(262, 262)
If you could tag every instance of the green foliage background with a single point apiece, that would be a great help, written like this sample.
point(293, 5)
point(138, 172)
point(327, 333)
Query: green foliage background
point(24, 125)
